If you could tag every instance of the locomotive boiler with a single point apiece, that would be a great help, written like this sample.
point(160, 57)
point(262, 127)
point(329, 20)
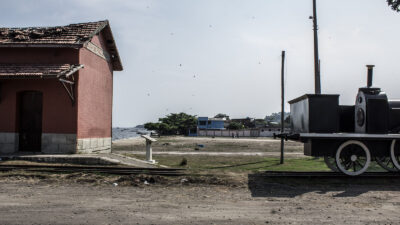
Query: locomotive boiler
point(349, 137)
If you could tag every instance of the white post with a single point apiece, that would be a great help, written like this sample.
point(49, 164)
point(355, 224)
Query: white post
point(149, 151)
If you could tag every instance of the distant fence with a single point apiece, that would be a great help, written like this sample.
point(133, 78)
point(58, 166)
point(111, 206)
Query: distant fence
point(266, 132)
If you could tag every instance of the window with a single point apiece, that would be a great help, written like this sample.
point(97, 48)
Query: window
point(202, 123)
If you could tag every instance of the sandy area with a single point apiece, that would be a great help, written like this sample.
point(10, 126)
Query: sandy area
point(191, 144)
point(33, 201)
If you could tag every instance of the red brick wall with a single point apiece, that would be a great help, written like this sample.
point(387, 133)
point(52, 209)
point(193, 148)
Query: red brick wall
point(59, 116)
point(99, 41)
point(95, 88)
point(39, 55)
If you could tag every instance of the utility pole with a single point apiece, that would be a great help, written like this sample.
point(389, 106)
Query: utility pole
point(316, 53)
point(283, 104)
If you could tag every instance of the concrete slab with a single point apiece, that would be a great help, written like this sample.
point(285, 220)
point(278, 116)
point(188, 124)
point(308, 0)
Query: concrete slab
point(83, 159)
point(126, 160)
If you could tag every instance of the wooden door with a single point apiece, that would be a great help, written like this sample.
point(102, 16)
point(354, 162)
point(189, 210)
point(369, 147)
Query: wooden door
point(30, 121)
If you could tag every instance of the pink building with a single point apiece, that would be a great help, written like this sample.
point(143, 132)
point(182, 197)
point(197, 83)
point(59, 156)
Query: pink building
point(56, 88)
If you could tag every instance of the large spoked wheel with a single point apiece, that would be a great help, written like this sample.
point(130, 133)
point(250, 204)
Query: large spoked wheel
point(386, 163)
point(395, 155)
point(331, 163)
point(353, 158)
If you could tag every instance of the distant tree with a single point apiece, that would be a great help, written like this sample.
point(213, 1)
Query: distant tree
point(221, 116)
point(151, 126)
point(167, 129)
point(394, 4)
point(235, 126)
point(174, 123)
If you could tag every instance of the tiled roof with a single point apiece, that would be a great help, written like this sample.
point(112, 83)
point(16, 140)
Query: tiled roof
point(73, 34)
point(35, 70)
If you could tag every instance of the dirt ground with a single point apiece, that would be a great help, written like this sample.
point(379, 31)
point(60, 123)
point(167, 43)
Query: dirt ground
point(93, 199)
point(218, 144)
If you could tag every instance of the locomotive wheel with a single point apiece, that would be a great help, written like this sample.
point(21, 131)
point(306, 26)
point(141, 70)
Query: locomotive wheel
point(395, 155)
point(386, 163)
point(330, 163)
point(353, 158)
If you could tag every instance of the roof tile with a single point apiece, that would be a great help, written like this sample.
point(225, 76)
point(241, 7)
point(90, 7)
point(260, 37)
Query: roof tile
point(71, 34)
point(34, 70)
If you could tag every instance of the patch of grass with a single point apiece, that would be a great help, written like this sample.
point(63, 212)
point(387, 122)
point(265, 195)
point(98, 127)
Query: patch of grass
point(240, 163)
point(244, 163)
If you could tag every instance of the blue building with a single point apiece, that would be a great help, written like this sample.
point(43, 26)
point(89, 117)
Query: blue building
point(205, 123)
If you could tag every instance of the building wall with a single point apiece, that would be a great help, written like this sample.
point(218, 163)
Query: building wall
point(83, 128)
point(39, 55)
point(59, 116)
point(210, 124)
point(264, 132)
point(95, 88)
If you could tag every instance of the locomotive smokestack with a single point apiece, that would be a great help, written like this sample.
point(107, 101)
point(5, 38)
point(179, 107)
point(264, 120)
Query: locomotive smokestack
point(370, 74)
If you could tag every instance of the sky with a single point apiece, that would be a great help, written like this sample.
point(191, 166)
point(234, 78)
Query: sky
point(205, 57)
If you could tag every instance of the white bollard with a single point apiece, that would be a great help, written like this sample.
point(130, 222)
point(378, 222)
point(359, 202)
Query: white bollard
point(149, 151)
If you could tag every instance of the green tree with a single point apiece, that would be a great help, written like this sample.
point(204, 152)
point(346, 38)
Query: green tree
point(235, 126)
point(151, 126)
point(173, 124)
point(221, 116)
point(394, 4)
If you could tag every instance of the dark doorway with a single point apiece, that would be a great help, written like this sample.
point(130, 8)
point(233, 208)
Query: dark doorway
point(30, 121)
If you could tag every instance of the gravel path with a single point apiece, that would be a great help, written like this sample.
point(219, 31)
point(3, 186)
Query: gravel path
point(24, 202)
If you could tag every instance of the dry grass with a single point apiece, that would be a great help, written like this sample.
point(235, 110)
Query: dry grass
point(187, 144)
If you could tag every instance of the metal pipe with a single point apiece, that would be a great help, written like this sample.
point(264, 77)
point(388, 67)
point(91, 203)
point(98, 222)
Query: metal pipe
point(370, 75)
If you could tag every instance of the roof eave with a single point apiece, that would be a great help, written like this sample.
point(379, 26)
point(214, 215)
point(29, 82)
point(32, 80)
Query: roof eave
point(112, 48)
point(29, 76)
point(22, 45)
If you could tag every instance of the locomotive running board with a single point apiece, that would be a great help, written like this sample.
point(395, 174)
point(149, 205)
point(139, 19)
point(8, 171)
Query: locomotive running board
point(349, 136)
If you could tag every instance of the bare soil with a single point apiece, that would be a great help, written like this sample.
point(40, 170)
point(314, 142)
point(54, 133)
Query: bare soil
point(240, 199)
point(218, 144)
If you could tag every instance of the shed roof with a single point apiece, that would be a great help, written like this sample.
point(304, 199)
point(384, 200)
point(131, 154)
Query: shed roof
point(73, 36)
point(36, 70)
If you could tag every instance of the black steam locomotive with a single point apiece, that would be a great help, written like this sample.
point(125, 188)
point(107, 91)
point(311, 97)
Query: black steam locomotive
point(349, 137)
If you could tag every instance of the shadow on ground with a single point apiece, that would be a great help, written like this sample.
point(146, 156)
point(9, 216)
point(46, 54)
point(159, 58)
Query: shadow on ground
point(263, 186)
